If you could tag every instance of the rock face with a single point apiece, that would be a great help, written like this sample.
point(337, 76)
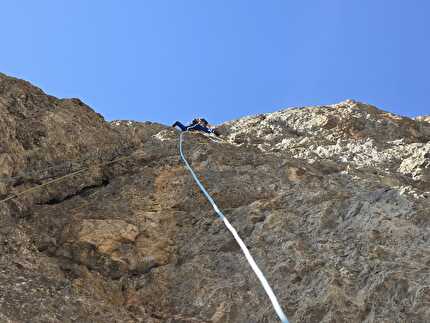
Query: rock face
point(333, 203)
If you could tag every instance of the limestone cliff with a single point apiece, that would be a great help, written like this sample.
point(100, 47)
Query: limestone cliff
point(332, 201)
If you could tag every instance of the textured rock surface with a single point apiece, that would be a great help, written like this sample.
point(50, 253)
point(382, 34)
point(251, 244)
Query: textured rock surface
point(333, 203)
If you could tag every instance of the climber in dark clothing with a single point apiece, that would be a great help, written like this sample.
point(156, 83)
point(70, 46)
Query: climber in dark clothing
point(198, 124)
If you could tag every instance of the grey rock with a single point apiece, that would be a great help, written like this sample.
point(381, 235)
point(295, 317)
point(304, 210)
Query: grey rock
point(333, 203)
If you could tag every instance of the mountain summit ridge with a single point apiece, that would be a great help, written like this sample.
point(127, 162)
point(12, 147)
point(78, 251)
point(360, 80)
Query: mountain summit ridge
point(332, 201)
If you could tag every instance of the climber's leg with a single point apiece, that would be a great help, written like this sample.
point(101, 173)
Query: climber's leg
point(180, 125)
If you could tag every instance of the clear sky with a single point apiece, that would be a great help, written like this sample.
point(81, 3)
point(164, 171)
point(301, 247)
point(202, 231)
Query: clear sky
point(167, 60)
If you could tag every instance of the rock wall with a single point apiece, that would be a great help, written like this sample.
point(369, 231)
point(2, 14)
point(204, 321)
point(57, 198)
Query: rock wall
point(333, 203)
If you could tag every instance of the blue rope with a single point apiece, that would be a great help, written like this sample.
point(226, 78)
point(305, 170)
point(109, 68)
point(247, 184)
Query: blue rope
point(242, 245)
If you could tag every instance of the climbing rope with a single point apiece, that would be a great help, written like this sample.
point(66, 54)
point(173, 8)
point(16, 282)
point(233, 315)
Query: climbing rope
point(233, 231)
point(62, 178)
point(65, 165)
point(242, 245)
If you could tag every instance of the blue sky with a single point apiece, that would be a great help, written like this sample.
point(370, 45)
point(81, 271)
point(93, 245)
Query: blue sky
point(167, 60)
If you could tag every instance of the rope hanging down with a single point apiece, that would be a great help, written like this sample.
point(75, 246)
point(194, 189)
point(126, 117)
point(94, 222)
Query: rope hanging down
point(242, 245)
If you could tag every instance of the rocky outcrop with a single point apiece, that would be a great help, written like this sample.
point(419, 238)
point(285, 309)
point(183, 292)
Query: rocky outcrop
point(423, 118)
point(333, 202)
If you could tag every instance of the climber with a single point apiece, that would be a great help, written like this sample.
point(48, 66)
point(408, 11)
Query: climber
point(198, 124)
